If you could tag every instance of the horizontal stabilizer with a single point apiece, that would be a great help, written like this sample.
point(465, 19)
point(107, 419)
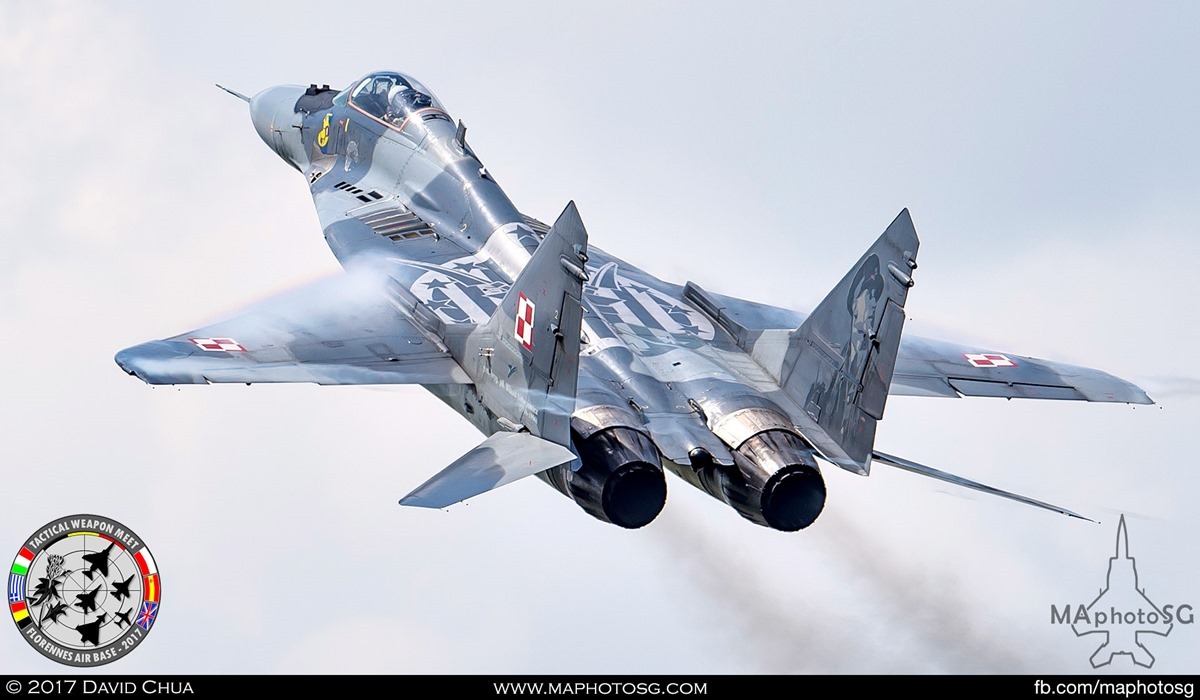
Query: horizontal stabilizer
point(950, 478)
point(501, 459)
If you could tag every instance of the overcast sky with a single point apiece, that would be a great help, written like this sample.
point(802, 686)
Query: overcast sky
point(1048, 154)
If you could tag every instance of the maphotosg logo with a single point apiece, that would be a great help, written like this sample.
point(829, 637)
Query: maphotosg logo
point(84, 590)
point(1122, 614)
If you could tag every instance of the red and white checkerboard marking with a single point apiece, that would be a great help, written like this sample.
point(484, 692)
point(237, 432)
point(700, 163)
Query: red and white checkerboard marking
point(988, 360)
point(218, 344)
point(524, 330)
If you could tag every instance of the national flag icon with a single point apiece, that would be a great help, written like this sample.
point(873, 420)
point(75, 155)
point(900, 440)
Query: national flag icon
point(16, 588)
point(21, 563)
point(151, 587)
point(218, 344)
point(146, 617)
point(524, 330)
point(145, 562)
point(988, 360)
point(20, 615)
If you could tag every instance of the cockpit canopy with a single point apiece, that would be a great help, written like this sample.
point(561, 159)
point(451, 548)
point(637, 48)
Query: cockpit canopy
point(395, 97)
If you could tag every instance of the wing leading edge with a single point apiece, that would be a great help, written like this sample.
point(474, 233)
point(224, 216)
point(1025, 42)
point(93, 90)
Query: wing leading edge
point(349, 329)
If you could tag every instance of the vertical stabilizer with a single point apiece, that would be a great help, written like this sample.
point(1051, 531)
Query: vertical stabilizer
point(839, 362)
point(533, 336)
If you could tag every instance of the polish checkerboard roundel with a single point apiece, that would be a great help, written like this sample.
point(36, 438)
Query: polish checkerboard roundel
point(524, 329)
point(988, 360)
point(218, 344)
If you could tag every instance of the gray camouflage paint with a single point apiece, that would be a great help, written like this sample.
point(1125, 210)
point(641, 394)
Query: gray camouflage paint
point(731, 393)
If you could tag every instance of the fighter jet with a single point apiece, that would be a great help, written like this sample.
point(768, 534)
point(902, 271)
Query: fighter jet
point(91, 631)
point(122, 618)
point(86, 601)
point(578, 366)
point(1120, 593)
point(98, 561)
point(120, 589)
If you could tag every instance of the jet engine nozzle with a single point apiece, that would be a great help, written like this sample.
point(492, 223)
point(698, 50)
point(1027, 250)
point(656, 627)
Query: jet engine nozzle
point(774, 480)
point(620, 480)
point(777, 483)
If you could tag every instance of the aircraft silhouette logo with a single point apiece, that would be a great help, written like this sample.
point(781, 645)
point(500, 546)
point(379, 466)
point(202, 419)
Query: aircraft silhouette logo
point(1122, 614)
point(76, 584)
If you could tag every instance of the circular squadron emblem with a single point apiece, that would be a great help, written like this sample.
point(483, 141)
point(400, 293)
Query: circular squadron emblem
point(83, 590)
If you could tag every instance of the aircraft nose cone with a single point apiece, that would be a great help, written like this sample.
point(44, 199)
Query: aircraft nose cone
point(266, 112)
point(273, 112)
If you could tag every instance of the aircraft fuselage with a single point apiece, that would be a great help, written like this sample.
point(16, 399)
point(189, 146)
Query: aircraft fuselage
point(418, 158)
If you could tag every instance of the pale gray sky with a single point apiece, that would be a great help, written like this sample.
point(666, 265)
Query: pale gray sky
point(1047, 153)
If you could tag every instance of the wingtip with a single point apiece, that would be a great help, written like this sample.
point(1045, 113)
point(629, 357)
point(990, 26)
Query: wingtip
point(1134, 393)
point(418, 502)
point(1136, 396)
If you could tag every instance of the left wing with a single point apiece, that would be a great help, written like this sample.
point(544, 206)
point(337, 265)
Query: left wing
point(354, 328)
point(935, 368)
point(927, 367)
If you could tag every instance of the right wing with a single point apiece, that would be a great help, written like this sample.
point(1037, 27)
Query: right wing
point(928, 367)
point(354, 328)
